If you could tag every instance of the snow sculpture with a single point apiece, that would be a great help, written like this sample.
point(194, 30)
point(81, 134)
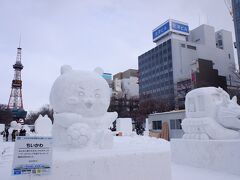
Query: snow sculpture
point(43, 126)
point(80, 101)
point(211, 114)
point(124, 125)
point(13, 126)
point(146, 132)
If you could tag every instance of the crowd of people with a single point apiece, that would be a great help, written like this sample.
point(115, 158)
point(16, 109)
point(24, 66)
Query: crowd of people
point(15, 130)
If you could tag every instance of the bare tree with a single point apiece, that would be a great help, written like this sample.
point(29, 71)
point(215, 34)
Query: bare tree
point(5, 115)
point(44, 110)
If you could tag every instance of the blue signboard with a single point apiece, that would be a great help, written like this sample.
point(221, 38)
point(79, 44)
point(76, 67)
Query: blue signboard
point(160, 30)
point(180, 27)
point(107, 76)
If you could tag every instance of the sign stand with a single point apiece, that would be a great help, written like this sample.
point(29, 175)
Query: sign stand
point(32, 156)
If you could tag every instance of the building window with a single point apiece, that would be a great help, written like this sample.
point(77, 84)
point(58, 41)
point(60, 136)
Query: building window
point(183, 45)
point(157, 125)
point(220, 42)
point(197, 40)
point(175, 124)
point(229, 56)
point(191, 47)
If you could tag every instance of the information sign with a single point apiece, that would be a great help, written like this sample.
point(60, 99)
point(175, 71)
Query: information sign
point(32, 155)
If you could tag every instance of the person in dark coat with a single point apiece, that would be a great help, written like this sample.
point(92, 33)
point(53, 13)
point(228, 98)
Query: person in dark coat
point(7, 134)
point(22, 132)
point(14, 133)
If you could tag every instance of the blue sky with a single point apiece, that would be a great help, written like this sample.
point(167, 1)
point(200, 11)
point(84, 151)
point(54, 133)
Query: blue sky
point(86, 34)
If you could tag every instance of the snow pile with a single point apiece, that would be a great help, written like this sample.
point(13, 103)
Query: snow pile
point(131, 158)
point(181, 172)
point(220, 155)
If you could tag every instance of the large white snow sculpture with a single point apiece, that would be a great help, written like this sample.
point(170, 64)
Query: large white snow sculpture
point(211, 114)
point(80, 101)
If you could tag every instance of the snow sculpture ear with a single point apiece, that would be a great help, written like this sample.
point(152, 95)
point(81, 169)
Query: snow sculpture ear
point(98, 70)
point(234, 99)
point(65, 69)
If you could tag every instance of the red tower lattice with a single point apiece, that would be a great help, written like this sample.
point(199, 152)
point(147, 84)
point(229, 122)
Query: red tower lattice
point(15, 100)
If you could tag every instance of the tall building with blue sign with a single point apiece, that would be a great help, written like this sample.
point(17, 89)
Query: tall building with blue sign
point(174, 59)
point(236, 20)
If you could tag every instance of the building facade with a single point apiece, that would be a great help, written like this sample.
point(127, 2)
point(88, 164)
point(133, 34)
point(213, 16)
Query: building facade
point(236, 20)
point(125, 84)
point(125, 94)
point(203, 75)
point(177, 49)
point(172, 118)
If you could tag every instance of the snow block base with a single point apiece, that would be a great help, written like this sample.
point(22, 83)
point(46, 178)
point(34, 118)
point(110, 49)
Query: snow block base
point(220, 155)
point(132, 158)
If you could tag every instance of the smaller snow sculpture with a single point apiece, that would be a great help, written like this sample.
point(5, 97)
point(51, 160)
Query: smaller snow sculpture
point(43, 126)
point(146, 131)
point(124, 125)
point(80, 101)
point(211, 114)
point(13, 126)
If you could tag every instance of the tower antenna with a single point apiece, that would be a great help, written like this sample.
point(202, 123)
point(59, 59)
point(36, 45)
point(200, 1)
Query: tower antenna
point(15, 103)
point(20, 38)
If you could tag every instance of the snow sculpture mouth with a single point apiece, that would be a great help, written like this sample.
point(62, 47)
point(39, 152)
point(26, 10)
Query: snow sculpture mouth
point(88, 105)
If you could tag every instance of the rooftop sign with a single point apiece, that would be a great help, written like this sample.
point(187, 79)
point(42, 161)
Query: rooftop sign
point(170, 26)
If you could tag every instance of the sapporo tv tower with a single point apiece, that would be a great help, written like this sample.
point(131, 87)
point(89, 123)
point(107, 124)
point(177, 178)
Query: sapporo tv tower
point(15, 103)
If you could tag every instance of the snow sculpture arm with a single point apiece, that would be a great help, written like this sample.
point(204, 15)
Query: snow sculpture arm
point(66, 119)
point(107, 119)
point(229, 116)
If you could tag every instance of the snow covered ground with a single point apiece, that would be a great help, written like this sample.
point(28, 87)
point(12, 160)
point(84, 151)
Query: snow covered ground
point(179, 172)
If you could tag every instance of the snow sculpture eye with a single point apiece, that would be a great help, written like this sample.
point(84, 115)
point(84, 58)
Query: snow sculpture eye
point(97, 95)
point(81, 93)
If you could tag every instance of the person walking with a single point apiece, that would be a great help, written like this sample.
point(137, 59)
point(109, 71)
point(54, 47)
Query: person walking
point(14, 134)
point(7, 134)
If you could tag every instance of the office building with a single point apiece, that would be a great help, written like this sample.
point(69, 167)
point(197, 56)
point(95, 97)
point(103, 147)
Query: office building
point(125, 94)
point(108, 78)
point(177, 50)
point(236, 20)
point(125, 84)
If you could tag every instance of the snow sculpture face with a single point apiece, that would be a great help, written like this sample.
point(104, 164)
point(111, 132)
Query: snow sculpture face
point(80, 92)
point(211, 114)
point(204, 102)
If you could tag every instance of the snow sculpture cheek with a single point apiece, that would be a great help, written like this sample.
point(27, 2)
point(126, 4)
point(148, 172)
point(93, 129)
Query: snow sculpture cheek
point(80, 101)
